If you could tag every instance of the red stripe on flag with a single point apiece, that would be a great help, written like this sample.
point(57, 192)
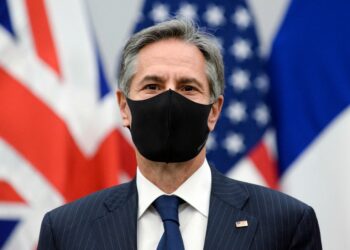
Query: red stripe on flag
point(43, 40)
point(44, 140)
point(265, 164)
point(8, 194)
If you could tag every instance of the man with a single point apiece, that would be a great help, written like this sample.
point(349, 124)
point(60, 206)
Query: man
point(170, 97)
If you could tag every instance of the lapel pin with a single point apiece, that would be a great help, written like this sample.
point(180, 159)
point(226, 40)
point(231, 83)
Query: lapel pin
point(241, 223)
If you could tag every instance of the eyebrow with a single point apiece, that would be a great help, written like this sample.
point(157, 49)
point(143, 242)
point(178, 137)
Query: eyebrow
point(181, 81)
point(153, 78)
point(185, 80)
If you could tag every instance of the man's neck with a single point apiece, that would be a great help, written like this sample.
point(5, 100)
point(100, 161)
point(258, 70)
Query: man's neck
point(169, 176)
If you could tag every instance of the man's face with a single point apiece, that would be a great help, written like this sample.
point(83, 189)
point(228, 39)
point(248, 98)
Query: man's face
point(170, 64)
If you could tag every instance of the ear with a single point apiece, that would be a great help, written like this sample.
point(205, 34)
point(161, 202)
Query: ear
point(215, 112)
point(124, 109)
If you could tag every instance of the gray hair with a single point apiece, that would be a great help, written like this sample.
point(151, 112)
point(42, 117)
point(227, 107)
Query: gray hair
point(181, 29)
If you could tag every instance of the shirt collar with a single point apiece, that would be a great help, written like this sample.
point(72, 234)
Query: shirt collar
point(195, 190)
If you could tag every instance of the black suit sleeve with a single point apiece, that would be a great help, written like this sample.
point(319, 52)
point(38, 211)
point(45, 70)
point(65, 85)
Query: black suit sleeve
point(46, 239)
point(307, 233)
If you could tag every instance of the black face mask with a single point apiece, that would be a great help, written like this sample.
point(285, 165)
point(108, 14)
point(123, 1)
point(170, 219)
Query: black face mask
point(169, 127)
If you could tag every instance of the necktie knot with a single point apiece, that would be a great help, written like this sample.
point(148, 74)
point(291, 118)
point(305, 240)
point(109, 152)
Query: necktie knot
point(167, 207)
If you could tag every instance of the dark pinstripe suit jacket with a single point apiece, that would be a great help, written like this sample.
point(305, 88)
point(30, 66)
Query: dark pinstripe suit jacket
point(108, 219)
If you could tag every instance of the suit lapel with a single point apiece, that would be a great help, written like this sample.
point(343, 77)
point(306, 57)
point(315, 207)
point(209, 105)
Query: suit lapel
point(116, 229)
point(226, 203)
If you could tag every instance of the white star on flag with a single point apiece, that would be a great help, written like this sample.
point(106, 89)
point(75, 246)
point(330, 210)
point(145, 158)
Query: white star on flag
point(240, 79)
point(159, 13)
point(261, 115)
point(214, 15)
point(241, 49)
point(188, 11)
point(236, 112)
point(241, 18)
point(233, 143)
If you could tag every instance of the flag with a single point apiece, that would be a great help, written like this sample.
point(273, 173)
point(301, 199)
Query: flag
point(60, 135)
point(310, 92)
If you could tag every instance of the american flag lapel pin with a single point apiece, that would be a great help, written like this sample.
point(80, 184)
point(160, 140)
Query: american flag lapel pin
point(241, 223)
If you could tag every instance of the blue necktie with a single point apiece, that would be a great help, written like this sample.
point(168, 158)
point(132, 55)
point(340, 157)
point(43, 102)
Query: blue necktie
point(167, 207)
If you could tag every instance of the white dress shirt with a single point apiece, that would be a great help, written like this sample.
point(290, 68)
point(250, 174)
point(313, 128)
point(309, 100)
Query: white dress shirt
point(193, 214)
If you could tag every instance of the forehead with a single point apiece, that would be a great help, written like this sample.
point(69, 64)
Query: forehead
point(171, 52)
point(171, 64)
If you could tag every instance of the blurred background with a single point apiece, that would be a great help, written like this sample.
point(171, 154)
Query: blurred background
point(285, 123)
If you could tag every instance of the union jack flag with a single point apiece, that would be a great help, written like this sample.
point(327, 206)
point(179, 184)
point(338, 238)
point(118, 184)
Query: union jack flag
point(60, 135)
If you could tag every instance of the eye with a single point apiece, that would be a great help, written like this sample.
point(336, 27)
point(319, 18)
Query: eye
point(188, 88)
point(151, 87)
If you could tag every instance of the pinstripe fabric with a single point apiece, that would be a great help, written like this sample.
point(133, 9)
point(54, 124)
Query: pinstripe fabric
point(101, 221)
point(275, 221)
point(107, 220)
